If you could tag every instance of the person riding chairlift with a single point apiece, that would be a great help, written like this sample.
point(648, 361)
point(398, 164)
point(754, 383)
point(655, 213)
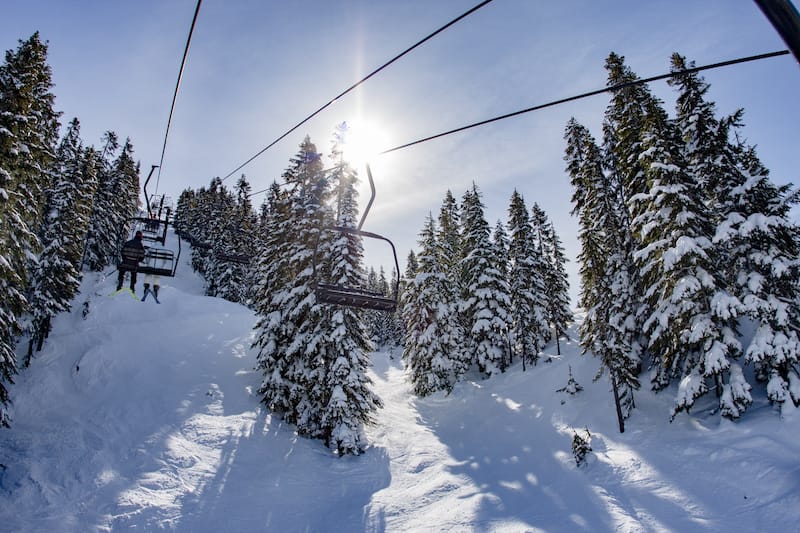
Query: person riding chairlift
point(132, 255)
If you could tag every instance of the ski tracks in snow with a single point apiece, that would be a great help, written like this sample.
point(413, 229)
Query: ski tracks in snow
point(424, 495)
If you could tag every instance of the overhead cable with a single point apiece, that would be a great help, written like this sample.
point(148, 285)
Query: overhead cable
point(588, 94)
point(356, 84)
point(175, 94)
point(578, 97)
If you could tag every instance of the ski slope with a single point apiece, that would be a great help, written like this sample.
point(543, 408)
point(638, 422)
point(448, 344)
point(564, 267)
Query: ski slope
point(142, 417)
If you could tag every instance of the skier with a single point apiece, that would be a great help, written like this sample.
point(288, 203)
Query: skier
point(132, 255)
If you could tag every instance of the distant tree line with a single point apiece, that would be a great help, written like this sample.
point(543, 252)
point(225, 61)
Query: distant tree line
point(685, 242)
point(64, 206)
point(476, 298)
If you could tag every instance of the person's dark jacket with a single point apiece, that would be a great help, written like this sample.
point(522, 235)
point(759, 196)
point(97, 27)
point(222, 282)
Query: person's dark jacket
point(132, 253)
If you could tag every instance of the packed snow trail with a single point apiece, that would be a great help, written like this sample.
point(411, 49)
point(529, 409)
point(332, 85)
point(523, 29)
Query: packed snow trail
point(143, 417)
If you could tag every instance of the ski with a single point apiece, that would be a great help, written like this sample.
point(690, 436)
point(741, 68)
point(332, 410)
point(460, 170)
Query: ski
point(125, 290)
point(148, 291)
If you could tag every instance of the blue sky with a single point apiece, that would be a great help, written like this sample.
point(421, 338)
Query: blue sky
point(256, 68)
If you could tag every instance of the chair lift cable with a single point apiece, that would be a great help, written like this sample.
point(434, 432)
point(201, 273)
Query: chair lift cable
point(356, 84)
point(590, 93)
point(577, 97)
point(175, 94)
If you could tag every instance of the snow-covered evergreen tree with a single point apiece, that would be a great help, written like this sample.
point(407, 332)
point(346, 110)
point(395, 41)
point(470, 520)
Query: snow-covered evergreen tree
point(541, 265)
point(692, 324)
point(765, 246)
point(28, 134)
point(273, 277)
point(432, 352)
point(56, 277)
point(486, 304)
point(500, 244)
point(607, 291)
point(234, 248)
point(757, 242)
point(526, 288)
point(125, 193)
point(102, 244)
point(559, 314)
point(449, 241)
point(348, 401)
point(553, 274)
point(286, 304)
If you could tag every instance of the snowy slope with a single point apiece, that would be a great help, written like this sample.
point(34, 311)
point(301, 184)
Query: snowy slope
point(141, 417)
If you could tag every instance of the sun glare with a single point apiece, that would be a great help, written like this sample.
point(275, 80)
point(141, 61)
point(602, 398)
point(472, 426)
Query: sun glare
point(363, 140)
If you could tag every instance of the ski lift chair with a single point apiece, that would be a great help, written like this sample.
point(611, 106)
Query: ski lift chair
point(158, 260)
point(357, 297)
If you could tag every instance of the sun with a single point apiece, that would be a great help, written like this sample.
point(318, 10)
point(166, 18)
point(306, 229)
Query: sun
point(362, 141)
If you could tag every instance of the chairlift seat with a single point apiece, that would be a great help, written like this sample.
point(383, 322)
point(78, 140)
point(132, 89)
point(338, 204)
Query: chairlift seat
point(159, 262)
point(350, 297)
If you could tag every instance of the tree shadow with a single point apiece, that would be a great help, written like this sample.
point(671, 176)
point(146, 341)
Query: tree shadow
point(519, 458)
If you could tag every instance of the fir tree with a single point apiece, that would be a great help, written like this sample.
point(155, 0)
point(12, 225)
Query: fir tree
point(607, 291)
point(559, 314)
point(526, 288)
point(449, 241)
point(28, 134)
point(623, 127)
point(348, 401)
point(692, 324)
point(286, 302)
point(765, 245)
point(102, 244)
point(57, 275)
point(234, 246)
point(754, 237)
point(541, 265)
point(125, 194)
point(273, 275)
point(486, 304)
point(432, 351)
point(501, 254)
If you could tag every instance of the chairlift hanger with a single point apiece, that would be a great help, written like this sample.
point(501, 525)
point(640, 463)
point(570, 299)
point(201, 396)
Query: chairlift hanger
point(357, 297)
point(159, 261)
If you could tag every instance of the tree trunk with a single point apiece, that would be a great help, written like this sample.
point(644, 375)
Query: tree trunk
point(616, 401)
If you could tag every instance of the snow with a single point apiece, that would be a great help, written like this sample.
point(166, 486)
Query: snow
point(144, 417)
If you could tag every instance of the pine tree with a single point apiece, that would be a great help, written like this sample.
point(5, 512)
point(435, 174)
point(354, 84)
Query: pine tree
point(102, 243)
point(432, 352)
point(57, 275)
point(692, 324)
point(754, 237)
point(526, 289)
point(623, 128)
point(501, 254)
point(449, 241)
point(274, 275)
point(187, 202)
point(541, 266)
point(607, 290)
point(234, 244)
point(405, 295)
point(125, 193)
point(486, 304)
point(765, 245)
point(28, 134)
point(348, 402)
point(312, 355)
point(286, 302)
point(559, 314)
